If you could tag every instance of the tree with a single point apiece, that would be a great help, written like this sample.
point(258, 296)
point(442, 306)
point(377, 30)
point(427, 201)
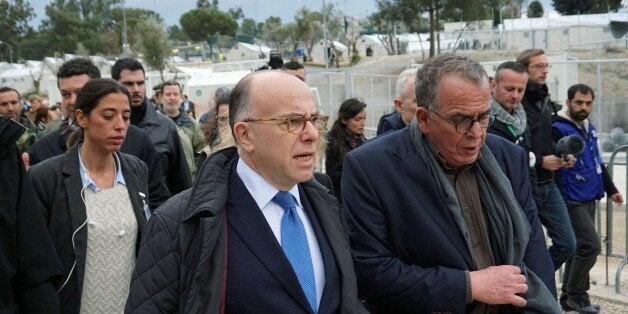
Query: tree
point(573, 7)
point(199, 23)
point(273, 33)
point(152, 42)
point(14, 25)
point(535, 9)
point(290, 31)
point(511, 9)
point(205, 24)
point(81, 50)
point(236, 13)
point(96, 24)
point(309, 28)
point(335, 29)
point(250, 28)
point(176, 34)
point(353, 30)
point(385, 24)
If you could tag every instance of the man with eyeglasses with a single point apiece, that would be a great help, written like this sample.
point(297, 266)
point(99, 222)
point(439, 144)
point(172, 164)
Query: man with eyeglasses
point(540, 111)
point(256, 234)
point(439, 220)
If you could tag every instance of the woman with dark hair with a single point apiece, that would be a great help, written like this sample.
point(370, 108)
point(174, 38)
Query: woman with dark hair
point(215, 127)
point(346, 134)
point(94, 200)
point(42, 117)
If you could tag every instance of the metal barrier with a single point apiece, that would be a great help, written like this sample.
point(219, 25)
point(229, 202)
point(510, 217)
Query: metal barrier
point(609, 221)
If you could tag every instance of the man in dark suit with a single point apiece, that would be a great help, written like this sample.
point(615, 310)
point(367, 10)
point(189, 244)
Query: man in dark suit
point(255, 233)
point(445, 230)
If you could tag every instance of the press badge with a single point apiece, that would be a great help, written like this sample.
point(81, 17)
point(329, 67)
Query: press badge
point(598, 163)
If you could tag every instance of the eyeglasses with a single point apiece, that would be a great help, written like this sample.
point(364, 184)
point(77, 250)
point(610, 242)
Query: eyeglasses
point(296, 124)
point(540, 66)
point(222, 118)
point(465, 124)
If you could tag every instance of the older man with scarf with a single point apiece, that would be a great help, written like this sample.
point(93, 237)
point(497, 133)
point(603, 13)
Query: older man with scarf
point(452, 226)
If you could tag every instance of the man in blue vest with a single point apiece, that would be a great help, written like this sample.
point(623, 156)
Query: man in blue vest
point(581, 186)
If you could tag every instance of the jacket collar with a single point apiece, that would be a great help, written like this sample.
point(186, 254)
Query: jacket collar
point(150, 116)
point(210, 191)
point(564, 116)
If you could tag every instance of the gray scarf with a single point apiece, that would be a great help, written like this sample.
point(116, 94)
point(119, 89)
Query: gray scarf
point(516, 119)
point(508, 222)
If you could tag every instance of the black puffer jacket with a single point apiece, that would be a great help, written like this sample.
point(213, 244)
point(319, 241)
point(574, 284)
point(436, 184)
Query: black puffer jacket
point(163, 134)
point(540, 111)
point(181, 267)
point(28, 261)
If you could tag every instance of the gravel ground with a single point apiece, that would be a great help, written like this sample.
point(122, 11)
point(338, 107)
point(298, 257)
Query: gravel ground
point(608, 307)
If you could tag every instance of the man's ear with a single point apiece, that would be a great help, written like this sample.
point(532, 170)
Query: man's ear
point(397, 103)
point(243, 136)
point(421, 116)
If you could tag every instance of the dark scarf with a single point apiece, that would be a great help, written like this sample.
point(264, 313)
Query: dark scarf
point(508, 222)
point(354, 140)
point(535, 92)
point(138, 113)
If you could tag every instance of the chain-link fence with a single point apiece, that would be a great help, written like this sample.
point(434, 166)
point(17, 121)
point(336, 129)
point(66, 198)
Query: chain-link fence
point(607, 77)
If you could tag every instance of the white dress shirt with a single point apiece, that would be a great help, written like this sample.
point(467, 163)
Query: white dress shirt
point(263, 193)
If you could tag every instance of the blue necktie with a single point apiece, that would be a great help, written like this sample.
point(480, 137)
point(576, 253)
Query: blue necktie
point(294, 244)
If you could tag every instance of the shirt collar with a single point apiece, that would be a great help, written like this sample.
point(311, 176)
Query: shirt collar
point(262, 191)
point(89, 183)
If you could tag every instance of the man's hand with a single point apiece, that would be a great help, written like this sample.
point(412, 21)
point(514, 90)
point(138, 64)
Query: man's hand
point(26, 160)
point(570, 160)
point(553, 163)
point(617, 198)
point(499, 285)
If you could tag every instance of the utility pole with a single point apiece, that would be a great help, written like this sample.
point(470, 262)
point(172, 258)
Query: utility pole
point(126, 50)
point(325, 48)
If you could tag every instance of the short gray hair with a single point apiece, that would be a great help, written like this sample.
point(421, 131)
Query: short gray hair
point(429, 76)
point(239, 101)
point(402, 81)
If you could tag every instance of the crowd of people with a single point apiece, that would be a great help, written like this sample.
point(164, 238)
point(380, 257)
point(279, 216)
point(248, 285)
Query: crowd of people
point(115, 202)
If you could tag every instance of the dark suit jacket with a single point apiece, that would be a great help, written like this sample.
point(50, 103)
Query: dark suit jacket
point(259, 276)
point(188, 238)
point(408, 253)
point(325, 180)
point(58, 184)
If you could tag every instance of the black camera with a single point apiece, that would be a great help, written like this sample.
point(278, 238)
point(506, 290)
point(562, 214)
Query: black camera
point(275, 62)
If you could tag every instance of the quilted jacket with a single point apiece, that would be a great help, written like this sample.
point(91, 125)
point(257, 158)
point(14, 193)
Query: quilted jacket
point(181, 267)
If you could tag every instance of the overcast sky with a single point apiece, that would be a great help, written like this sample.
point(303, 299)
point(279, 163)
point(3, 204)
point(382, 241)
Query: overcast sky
point(258, 10)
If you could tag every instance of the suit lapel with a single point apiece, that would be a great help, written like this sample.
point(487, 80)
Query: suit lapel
point(414, 168)
point(328, 215)
point(133, 185)
point(247, 221)
point(76, 206)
